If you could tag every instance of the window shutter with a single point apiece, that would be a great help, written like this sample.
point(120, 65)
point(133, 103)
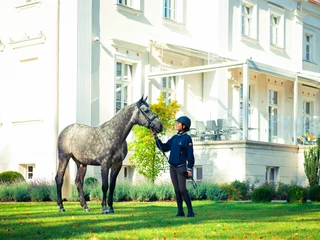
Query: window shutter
point(179, 11)
point(135, 4)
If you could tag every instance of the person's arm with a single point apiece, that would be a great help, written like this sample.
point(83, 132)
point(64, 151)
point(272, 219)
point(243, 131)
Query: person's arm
point(165, 147)
point(190, 157)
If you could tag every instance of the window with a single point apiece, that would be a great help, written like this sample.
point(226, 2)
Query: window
point(241, 103)
point(246, 20)
point(124, 74)
point(276, 26)
point(125, 172)
point(197, 173)
point(130, 3)
point(274, 30)
point(308, 47)
point(271, 174)
point(173, 9)
point(30, 172)
point(306, 116)
point(168, 85)
point(273, 114)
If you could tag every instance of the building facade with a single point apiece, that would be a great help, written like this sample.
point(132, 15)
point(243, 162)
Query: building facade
point(247, 72)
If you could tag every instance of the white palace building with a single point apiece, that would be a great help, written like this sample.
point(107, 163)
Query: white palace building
point(247, 72)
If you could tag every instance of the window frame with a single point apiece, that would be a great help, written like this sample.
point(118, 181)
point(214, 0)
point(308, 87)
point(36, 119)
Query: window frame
point(174, 12)
point(169, 93)
point(125, 82)
point(253, 16)
point(275, 171)
point(311, 44)
point(278, 13)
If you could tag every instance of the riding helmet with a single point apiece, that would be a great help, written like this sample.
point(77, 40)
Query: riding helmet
point(185, 121)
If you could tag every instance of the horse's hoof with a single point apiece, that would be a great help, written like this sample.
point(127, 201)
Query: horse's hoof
point(107, 211)
point(87, 210)
point(62, 210)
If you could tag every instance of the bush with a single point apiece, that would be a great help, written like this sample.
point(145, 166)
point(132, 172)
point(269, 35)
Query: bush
point(314, 193)
point(199, 192)
point(11, 177)
point(215, 193)
point(143, 192)
point(40, 191)
point(282, 191)
point(121, 192)
point(21, 192)
point(297, 194)
point(237, 190)
point(7, 192)
point(90, 181)
point(165, 192)
point(264, 193)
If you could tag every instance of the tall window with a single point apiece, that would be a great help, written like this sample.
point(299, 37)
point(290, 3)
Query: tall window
point(308, 47)
point(123, 82)
point(168, 85)
point(30, 172)
point(246, 20)
point(241, 103)
point(274, 29)
point(306, 116)
point(271, 174)
point(173, 9)
point(273, 114)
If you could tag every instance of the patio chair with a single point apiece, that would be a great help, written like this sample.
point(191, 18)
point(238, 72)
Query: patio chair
point(212, 128)
point(223, 129)
point(201, 131)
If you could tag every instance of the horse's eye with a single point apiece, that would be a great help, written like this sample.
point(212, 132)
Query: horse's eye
point(147, 111)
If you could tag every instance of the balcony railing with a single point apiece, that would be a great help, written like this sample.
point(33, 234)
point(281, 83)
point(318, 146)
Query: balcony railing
point(261, 127)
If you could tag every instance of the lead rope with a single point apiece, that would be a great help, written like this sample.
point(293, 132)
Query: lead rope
point(194, 184)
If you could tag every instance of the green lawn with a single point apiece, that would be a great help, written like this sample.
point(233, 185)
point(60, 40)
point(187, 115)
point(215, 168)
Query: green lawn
point(155, 220)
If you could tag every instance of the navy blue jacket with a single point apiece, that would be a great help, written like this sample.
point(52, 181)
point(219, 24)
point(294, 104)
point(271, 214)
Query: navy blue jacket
point(181, 150)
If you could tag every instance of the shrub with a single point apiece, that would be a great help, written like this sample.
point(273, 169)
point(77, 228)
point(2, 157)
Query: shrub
point(215, 193)
point(314, 193)
point(237, 190)
point(282, 191)
point(297, 194)
point(90, 181)
point(7, 192)
point(94, 191)
point(11, 177)
point(199, 192)
point(143, 192)
point(165, 192)
point(52, 188)
point(40, 191)
point(265, 193)
point(21, 192)
point(121, 192)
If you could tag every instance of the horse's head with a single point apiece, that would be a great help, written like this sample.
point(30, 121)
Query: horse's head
point(147, 118)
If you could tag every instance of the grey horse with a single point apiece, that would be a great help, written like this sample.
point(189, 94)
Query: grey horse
point(103, 146)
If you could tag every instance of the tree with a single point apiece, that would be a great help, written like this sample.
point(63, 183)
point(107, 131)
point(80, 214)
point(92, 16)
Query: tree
point(147, 158)
point(311, 163)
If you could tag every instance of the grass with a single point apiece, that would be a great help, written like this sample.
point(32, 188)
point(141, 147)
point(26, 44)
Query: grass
point(154, 220)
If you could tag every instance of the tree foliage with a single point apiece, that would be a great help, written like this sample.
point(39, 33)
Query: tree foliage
point(147, 158)
point(311, 164)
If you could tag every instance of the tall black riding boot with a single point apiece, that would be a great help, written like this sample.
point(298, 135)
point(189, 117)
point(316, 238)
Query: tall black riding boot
point(187, 199)
point(179, 204)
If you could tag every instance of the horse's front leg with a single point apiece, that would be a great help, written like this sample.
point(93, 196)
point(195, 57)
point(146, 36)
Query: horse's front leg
point(104, 177)
point(113, 178)
point(82, 169)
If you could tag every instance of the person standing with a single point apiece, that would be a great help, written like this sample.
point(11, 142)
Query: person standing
point(181, 162)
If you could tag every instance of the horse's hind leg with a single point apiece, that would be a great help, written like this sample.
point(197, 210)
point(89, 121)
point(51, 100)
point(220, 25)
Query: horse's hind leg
point(113, 178)
point(81, 173)
point(63, 163)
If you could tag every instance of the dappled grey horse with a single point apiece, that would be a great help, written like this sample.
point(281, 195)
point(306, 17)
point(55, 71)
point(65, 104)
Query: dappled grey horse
point(103, 146)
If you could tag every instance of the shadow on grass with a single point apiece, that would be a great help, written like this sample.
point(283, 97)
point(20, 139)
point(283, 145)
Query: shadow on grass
point(43, 221)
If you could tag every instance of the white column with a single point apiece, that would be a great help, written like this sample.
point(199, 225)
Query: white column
point(295, 109)
point(245, 100)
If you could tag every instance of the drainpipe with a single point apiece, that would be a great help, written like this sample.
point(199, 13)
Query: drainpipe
point(245, 100)
point(295, 110)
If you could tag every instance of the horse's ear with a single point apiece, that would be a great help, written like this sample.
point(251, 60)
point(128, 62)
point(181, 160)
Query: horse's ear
point(146, 99)
point(141, 99)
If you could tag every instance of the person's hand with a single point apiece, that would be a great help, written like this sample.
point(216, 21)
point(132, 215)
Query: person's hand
point(189, 174)
point(154, 133)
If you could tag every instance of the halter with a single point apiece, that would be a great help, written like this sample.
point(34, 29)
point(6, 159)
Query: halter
point(146, 117)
